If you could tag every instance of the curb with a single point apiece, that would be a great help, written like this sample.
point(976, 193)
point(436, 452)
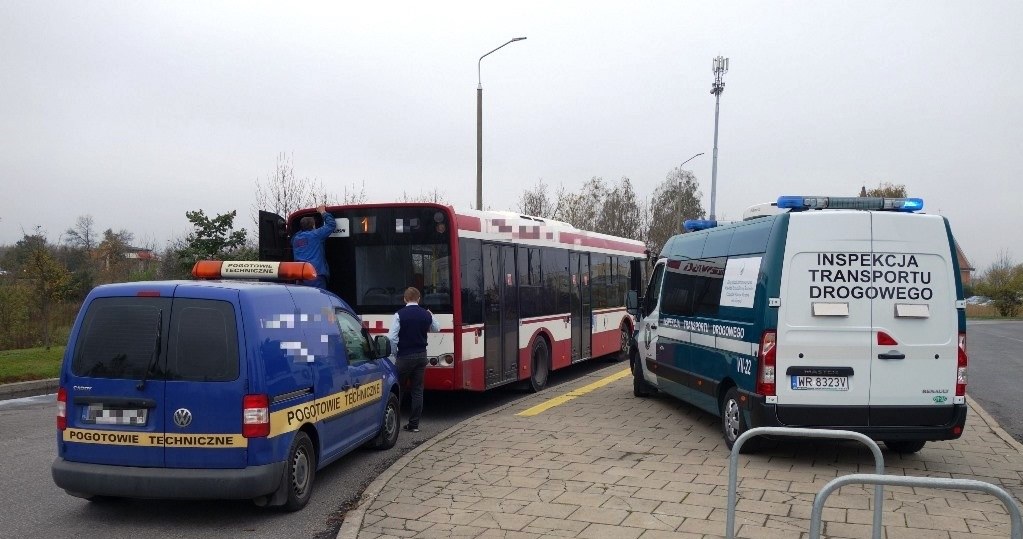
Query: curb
point(353, 519)
point(993, 425)
point(28, 389)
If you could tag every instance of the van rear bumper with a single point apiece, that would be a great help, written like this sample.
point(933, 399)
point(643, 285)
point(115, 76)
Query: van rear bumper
point(86, 479)
point(915, 421)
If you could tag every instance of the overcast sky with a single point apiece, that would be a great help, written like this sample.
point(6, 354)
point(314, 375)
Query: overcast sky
point(136, 112)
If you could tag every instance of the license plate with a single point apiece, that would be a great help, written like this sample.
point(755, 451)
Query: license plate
point(821, 383)
point(96, 414)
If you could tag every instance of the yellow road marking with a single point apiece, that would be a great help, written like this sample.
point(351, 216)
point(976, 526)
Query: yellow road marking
point(562, 399)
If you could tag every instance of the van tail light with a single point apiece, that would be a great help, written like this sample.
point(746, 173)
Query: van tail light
point(768, 363)
point(255, 416)
point(961, 370)
point(61, 408)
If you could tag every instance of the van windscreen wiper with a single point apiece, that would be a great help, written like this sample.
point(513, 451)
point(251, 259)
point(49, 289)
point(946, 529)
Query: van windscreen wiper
point(156, 352)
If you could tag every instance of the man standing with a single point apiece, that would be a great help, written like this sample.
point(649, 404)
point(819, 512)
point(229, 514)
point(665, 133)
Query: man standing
point(307, 246)
point(408, 337)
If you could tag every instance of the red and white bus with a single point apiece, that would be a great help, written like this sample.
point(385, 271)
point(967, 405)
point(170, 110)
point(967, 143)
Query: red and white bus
point(516, 296)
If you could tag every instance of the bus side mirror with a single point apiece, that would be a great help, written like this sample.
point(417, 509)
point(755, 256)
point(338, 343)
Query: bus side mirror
point(632, 303)
point(382, 345)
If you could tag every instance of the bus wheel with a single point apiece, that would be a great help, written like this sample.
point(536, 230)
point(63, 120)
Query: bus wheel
point(905, 446)
point(625, 345)
point(541, 362)
point(734, 424)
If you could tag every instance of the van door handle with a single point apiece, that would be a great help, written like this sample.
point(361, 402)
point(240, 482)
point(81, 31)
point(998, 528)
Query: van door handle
point(891, 355)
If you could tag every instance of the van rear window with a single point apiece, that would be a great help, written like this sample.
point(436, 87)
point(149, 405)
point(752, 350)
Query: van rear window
point(118, 337)
point(198, 339)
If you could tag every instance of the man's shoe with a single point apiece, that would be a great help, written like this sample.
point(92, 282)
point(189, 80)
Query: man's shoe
point(412, 428)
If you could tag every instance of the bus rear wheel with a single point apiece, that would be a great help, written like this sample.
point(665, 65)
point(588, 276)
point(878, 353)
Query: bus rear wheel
point(541, 363)
point(624, 345)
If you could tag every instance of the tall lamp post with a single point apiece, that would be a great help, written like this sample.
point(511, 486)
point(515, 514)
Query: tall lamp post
point(678, 205)
point(720, 67)
point(479, 126)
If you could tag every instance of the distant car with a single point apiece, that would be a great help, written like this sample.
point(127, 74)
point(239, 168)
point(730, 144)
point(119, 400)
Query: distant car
point(978, 300)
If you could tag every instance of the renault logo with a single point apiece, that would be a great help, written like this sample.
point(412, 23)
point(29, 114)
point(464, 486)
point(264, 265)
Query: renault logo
point(182, 417)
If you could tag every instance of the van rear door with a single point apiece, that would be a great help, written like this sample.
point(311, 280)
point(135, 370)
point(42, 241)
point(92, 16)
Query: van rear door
point(913, 272)
point(205, 382)
point(112, 416)
point(824, 330)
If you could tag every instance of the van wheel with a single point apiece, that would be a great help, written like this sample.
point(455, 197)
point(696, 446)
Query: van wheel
point(301, 470)
point(733, 424)
point(541, 362)
point(640, 387)
point(388, 435)
point(905, 447)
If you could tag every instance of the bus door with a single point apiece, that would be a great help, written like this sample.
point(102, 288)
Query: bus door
point(582, 308)
point(273, 237)
point(501, 314)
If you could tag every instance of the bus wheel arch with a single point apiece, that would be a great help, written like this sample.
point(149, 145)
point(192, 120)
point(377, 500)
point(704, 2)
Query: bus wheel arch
point(539, 361)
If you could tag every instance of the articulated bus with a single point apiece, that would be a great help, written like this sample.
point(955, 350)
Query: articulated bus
point(516, 296)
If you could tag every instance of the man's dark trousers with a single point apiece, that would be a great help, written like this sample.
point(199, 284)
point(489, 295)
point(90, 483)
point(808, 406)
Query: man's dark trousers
point(412, 368)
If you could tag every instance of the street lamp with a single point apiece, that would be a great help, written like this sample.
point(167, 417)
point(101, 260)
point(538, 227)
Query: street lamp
point(720, 67)
point(678, 204)
point(479, 126)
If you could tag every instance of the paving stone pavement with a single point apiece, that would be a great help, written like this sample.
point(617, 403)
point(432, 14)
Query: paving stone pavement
point(609, 465)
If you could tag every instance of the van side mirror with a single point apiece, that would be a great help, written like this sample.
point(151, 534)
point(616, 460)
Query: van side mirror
point(632, 303)
point(382, 346)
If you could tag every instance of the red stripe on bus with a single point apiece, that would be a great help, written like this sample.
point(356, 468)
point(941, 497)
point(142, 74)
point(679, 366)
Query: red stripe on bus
point(466, 222)
point(600, 243)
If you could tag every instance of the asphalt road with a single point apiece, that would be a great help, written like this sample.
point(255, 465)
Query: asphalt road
point(995, 372)
point(33, 507)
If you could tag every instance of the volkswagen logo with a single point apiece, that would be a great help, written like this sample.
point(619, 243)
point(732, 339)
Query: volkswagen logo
point(182, 417)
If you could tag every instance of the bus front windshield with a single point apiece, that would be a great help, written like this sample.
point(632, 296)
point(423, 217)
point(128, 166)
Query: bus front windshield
point(371, 268)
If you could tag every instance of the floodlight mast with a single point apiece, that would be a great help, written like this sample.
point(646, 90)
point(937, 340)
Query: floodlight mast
point(719, 68)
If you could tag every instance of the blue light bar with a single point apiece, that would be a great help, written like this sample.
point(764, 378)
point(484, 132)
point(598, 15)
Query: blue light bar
point(799, 203)
point(692, 225)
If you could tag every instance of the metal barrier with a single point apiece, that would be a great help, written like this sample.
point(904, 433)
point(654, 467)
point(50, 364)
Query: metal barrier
point(733, 472)
point(927, 482)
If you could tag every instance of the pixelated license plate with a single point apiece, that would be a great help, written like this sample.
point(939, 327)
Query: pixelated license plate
point(98, 414)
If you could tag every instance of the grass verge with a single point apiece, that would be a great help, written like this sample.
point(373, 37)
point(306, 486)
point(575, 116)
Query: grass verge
point(30, 364)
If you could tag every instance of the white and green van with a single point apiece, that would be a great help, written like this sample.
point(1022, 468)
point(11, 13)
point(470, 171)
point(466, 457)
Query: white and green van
point(825, 312)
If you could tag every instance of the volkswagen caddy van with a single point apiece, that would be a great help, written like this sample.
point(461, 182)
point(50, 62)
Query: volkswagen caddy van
point(218, 389)
point(821, 312)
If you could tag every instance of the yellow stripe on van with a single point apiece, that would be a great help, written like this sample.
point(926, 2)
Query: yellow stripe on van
point(146, 439)
point(342, 402)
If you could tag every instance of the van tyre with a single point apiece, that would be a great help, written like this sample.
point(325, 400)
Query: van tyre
point(733, 423)
point(300, 472)
point(905, 447)
point(640, 387)
point(541, 365)
point(388, 435)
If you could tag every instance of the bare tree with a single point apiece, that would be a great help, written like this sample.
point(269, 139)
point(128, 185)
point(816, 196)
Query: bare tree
point(82, 235)
point(355, 195)
point(619, 214)
point(581, 209)
point(884, 189)
point(539, 202)
point(435, 195)
point(283, 193)
point(676, 199)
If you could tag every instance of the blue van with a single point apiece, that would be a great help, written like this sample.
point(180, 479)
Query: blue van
point(817, 312)
point(218, 389)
